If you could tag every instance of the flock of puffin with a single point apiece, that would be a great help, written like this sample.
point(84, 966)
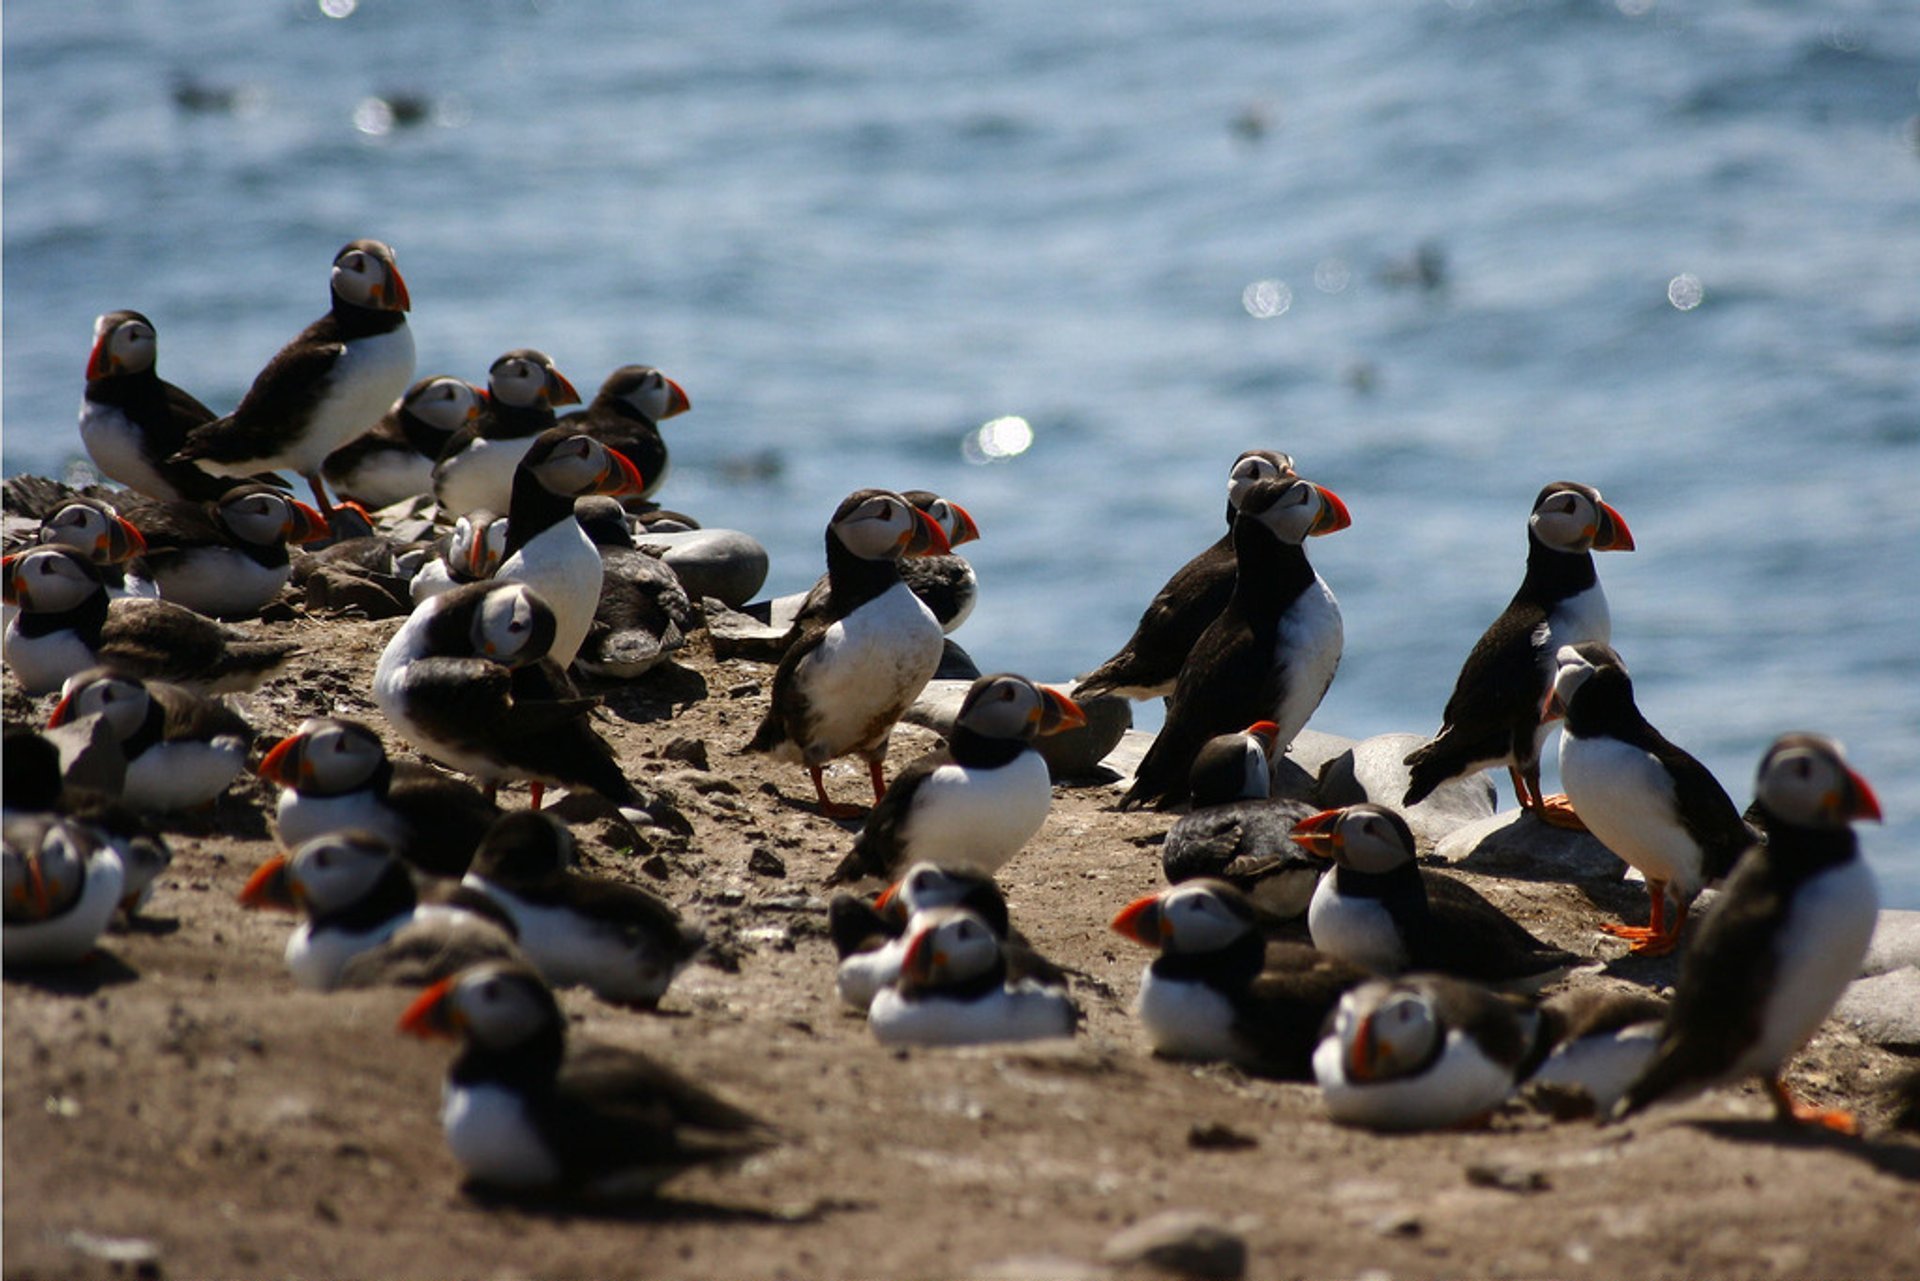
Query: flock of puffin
point(1307, 946)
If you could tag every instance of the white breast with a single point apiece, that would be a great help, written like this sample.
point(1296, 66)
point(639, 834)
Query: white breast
point(481, 475)
point(181, 775)
point(1187, 1020)
point(1024, 1012)
point(872, 663)
point(979, 818)
point(492, 1137)
point(1359, 931)
point(1461, 1084)
point(862, 975)
point(365, 382)
point(1578, 619)
point(298, 819)
point(114, 444)
point(389, 693)
point(1602, 1065)
point(220, 582)
point(563, 565)
point(68, 937)
point(1625, 797)
point(1818, 951)
point(43, 663)
point(316, 957)
point(567, 949)
point(387, 477)
point(1308, 646)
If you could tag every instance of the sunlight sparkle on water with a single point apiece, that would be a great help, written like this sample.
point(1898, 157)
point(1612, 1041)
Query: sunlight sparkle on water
point(1685, 291)
point(339, 8)
point(998, 441)
point(1265, 299)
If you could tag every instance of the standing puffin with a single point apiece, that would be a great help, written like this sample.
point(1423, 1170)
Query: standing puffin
point(1148, 665)
point(182, 749)
point(475, 468)
point(1645, 799)
point(524, 1112)
point(328, 385)
point(67, 624)
point(1780, 946)
point(1424, 1052)
point(1235, 832)
point(848, 678)
point(227, 558)
point(463, 682)
point(1219, 990)
point(546, 548)
point(334, 775)
point(946, 585)
point(1271, 652)
point(977, 801)
point(132, 421)
point(953, 989)
point(1380, 911)
point(393, 460)
point(626, 415)
point(618, 940)
point(1493, 715)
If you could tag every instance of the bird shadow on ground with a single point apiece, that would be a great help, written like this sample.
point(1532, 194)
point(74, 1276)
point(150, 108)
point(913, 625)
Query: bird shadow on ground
point(1901, 1160)
point(657, 696)
point(100, 970)
point(558, 1208)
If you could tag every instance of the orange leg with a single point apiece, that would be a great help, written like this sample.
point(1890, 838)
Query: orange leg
point(1658, 936)
point(534, 792)
point(879, 777)
point(1787, 1108)
point(831, 808)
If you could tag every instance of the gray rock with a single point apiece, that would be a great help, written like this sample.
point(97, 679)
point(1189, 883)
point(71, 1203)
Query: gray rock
point(723, 563)
point(1125, 756)
point(1885, 1008)
point(1896, 942)
point(90, 756)
point(1312, 749)
point(1374, 769)
point(1185, 1243)
point(735, 634)
point(1514, 843)
point(1039, 1267)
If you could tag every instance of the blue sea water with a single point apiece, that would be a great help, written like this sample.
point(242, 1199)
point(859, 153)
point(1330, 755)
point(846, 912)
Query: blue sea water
point(1672, 249)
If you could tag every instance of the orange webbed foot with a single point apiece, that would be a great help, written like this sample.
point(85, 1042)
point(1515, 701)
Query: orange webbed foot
point(1557, 811)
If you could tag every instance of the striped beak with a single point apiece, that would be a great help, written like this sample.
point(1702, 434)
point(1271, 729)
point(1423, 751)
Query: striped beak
point(1142, 921)
point(1333, 513)
point(969, 531)
point(1057, 713)
point(1365, 1054)
point(620, 476)
point(677, 402)
point(1612, 534)
point(1854, 800)
point(926, 538)
point(434, 1014)
point(1319, 834)
point(271, 887)
point(304, 524)
point(558, 391)
point(395, 298)
point(286, 764)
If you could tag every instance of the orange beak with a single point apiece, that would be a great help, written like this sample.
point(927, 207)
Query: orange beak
point(1267, 732)
point(1319, 834)
point(1142, 922)
point(432, 1015)
point(269, 887)
point(400, 299)
point(1365, 1052)
point(1856, 800)
point(12, 590)
point(120, 542)
point(305, 524)
point(1333, 513)
point(35, 891)
point(969, 531)
point(925, 538)
point(921, 958)
point(99, 363)
point(62, 713)
point(286, 764)
point(1058, 713)
point(621, 476)
point(677, 402)
point(1613, 534)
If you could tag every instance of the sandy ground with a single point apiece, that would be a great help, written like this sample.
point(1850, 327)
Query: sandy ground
point(176, 1108)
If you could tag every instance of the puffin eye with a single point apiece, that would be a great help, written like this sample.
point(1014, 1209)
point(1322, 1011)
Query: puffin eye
point(323, 859)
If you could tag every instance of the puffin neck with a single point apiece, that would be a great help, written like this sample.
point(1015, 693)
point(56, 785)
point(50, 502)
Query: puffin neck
point(151, 730)
point(354, 321)
point(390, 896)
point(529, 1067)
point(1230, 969)
point(1269, 574)
point(1795, 854)
point(533, 509)
point(1604, 706)
point(86, 619)
point(977, 751)
point(969, 989)
point(853, 580)
point(1554, 575)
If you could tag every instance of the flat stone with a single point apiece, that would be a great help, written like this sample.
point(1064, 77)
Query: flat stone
point(726, 564)
point(1374, 769)
point(1515, 843)
point(1311, 749)
point(1185, 1243)
point(1039, 1267)
point(1125, 756)
point(737, 634)
point(1885, 1008)
point(90, 756)
point(1896, 942)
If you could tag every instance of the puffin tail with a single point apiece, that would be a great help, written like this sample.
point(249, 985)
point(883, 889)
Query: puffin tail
point(1430, 766)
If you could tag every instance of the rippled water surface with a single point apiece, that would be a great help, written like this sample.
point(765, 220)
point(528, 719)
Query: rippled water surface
point(1442, 253)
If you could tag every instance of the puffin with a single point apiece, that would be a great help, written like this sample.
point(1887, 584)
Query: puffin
point(1378, 910)
point(1786, 937)
point(33, 786)
point(182, 749)
point(97, 530)
point(1493, 715)
point(62, 886)
point(953, 989)
point(1421, 1052)
point(621, 942)
point(1234, 831)
point(1591, 1043)
point(626, 413)
point(1219, 990)
point(976, 802)
point(1148, 665)
point(463, 681)
point(332, 382)
point(392, 461)
point(1271, 652)
point(1645, 799)
point(66, 624)
point(367, 923)
point(334, 775)
point(871, 939)
point(945, 584)
point(849, 677)
point(546, 548)
point(469, 553)
point(475, 467)
point(132, 421)
point(524, 1112)
point(227, 558)
point(644, 613)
